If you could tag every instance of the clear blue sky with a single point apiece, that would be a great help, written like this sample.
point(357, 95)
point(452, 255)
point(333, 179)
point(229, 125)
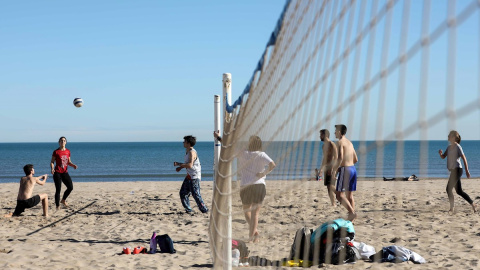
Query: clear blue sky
point(147, 70)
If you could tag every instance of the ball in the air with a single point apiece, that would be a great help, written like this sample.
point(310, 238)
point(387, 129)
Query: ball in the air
point(78, 102)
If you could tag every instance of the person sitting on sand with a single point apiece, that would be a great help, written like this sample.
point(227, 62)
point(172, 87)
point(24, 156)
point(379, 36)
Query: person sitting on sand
point(347, 173)
point(25, 199)
point(454, 152)
point(252, 165)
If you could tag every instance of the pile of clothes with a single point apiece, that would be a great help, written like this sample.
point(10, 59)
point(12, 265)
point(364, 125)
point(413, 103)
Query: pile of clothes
point(333, 243)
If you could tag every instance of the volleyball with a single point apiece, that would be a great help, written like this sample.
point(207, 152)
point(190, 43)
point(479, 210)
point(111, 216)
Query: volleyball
point(78, 102)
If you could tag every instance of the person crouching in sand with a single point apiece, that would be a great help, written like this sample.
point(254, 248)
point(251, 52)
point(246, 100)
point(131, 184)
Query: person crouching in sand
point(454, 152)
point(25, 199)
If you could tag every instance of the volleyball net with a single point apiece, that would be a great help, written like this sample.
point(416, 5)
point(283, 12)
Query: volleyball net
point(390, 71)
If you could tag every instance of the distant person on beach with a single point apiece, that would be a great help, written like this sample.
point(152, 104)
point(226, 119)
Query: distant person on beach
point(191, 183)
point(454, 152)
point(59, 166)
point(24, 198)
point(347, 174)
point(252, 163)
point(330, 156)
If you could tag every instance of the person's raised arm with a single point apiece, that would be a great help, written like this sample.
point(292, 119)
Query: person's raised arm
point(467, 172)
point(40, 182)
point(216, 135)
point(442, 155)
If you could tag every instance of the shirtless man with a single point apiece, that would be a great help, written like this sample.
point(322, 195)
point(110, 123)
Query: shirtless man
point(347, 174)
point(25, 199)
point(330, 156)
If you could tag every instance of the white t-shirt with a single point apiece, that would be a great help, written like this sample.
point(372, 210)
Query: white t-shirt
point(251, 163)
point(454, 152)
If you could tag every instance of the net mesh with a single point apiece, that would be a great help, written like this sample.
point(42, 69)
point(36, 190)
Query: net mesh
point(389, 70)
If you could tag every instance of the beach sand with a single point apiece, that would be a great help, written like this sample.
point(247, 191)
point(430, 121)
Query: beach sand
point(104, 217)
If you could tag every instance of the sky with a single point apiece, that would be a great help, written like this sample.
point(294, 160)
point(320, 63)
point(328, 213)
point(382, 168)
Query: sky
point(146, 70)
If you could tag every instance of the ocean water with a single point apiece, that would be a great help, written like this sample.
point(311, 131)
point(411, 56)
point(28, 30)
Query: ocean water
point(111, 161)
point(153, 161)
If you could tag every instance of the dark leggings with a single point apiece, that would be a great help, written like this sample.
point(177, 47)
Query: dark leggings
point(58, 178)
point(454, 182)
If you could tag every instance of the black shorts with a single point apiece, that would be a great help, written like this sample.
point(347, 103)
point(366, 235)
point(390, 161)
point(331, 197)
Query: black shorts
point(253, 194)
point(327, 180)
point(28, 203)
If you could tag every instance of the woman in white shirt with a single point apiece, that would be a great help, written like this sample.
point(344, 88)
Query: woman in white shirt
point(454, 152)
point(252, 165)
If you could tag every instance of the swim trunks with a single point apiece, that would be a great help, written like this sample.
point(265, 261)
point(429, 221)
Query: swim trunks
point(327, 179)
point(347, 179)
point(23, 204)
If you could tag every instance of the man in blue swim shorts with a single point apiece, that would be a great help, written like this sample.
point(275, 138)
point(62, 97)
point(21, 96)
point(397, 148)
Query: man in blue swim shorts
point(347, 174)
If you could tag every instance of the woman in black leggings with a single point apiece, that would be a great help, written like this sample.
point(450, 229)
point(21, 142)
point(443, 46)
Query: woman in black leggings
point(454, 152)
point(59, 165)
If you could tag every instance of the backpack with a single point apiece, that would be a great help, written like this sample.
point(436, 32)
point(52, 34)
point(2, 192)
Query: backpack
point(300, 249)
point(165, 243)
point(344, 253)
point(334, 244)
point(242, 247)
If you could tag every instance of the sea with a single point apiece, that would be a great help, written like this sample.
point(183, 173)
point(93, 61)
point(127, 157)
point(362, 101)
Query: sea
point(153, 161)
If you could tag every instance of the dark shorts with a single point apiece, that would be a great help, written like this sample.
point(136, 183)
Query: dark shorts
point(327, 180)
point(23, 204)
point(253, 194)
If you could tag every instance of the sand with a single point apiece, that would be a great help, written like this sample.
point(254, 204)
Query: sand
point(105, 217)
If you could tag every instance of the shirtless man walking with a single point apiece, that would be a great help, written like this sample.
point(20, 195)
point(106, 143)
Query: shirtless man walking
point(25, 199)
point(347, 174)
point(330, 156)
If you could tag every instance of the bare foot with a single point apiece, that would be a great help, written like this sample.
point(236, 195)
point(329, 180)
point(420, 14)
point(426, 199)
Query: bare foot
point(352, 216)
point(8, 215)
point(64, 203)
point(451, 211)
point(256, 237)
point(474, 206)
point(45, 216)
